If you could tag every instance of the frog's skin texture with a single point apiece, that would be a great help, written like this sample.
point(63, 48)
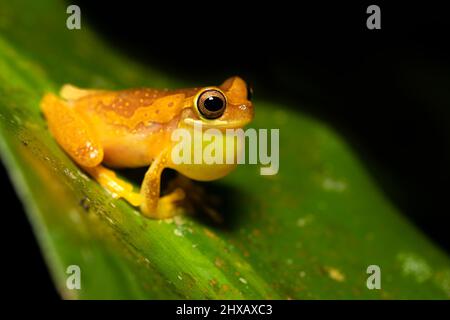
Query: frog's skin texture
point(132, 128)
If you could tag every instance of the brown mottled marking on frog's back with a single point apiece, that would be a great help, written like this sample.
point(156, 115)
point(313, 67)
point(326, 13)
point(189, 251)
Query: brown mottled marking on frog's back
point(133, 106)
point(126, 102)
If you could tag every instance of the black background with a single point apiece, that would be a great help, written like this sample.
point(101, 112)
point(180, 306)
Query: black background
point(386, 91)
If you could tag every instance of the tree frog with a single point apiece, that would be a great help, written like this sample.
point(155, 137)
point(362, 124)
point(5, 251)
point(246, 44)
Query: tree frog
point(132, 128)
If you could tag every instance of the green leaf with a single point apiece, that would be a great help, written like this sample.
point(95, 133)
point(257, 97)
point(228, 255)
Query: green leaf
point(310, 231)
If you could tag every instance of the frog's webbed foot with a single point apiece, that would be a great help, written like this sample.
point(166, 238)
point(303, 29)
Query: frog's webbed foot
point(164, 207)
point(197, 200)
point(116, 186)
point(169, 205)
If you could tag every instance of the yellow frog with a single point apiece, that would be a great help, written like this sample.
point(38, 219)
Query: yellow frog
point(133, 128)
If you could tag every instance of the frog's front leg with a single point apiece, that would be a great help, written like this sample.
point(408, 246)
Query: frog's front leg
point(152, 205)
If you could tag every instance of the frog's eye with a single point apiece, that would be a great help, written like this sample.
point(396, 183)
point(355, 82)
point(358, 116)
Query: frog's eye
point(211, 104)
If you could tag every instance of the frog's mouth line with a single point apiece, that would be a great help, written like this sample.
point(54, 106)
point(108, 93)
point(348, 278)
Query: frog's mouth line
point(217, 124)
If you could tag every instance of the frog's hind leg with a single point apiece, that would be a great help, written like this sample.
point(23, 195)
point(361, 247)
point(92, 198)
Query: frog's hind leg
point(72, 132)
point(77, 138)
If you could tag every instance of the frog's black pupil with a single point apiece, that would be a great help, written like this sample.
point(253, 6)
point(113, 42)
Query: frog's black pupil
point(213, 104)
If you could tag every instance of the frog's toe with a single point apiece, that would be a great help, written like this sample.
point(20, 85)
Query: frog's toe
point(168, 206)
